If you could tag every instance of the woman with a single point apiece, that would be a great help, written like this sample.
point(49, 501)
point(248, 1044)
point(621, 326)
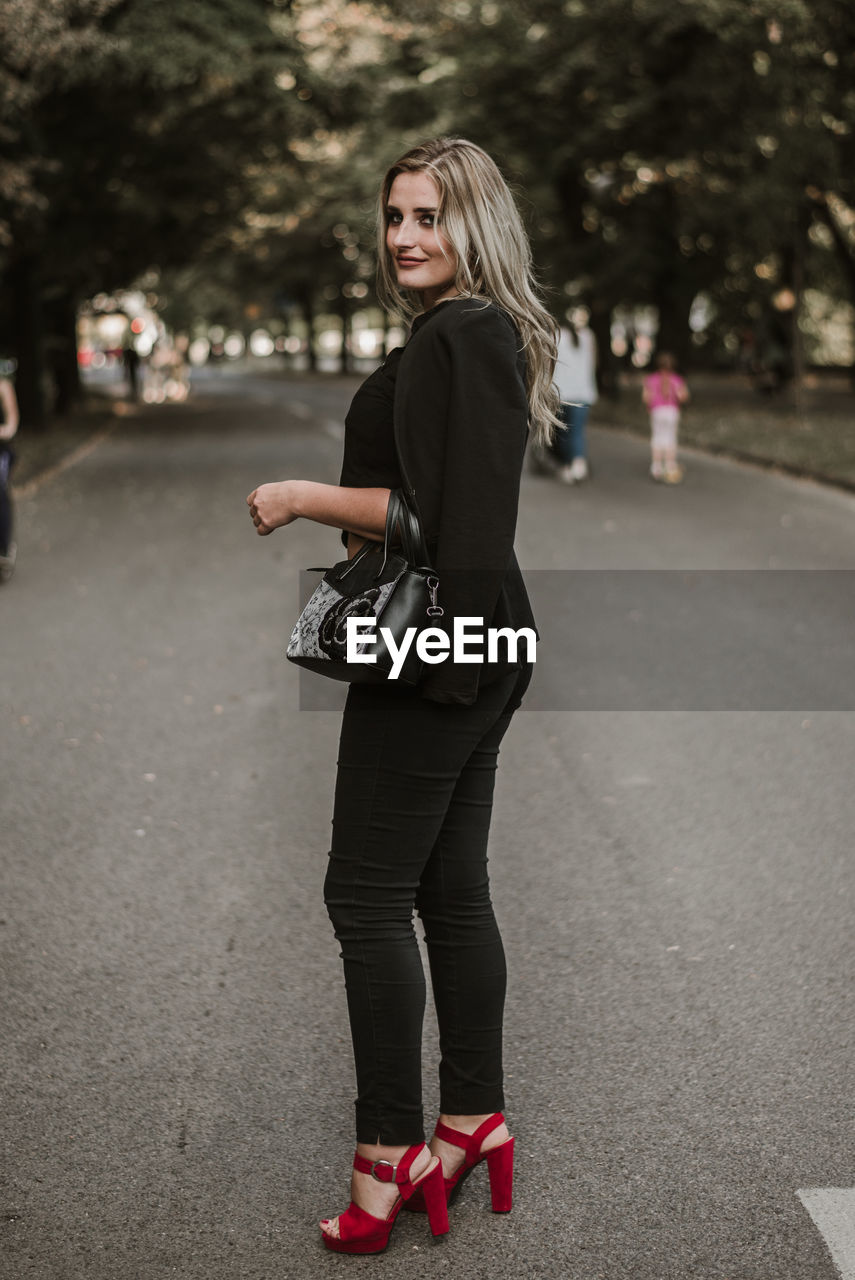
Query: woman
point(446, 418)
point(8, 427)
point(664, 393)
point(576, 381)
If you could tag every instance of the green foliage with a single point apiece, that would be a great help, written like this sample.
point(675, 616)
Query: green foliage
point(661, 148)
point(147, 151)
point(44, 47)
point(665, 149)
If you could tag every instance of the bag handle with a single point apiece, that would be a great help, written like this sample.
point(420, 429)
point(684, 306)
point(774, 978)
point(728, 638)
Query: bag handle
point(401, 516)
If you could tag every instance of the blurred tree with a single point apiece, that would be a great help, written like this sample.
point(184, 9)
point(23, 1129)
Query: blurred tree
point(664, 150)
point(144, 154)
point(664, 153)
point(41, 44)
point(45, 47)
point(309, 225)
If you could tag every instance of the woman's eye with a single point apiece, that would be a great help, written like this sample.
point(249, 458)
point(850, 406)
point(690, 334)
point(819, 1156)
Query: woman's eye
point(428, 220)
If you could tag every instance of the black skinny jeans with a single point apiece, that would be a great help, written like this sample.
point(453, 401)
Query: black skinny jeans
point(413, 801)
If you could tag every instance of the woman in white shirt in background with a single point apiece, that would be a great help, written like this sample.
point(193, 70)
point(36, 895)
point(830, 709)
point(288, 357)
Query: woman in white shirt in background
point(576, 380)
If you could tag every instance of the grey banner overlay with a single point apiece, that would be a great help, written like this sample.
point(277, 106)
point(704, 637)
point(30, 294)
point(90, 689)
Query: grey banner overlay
point(676, 640)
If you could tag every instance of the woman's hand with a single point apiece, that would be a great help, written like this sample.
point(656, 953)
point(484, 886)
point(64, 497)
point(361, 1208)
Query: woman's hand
point(273, 505)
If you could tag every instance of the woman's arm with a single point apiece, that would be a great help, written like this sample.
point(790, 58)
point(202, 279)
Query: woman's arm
point(359, 511)
point(9, 403)
point(486, 433)
point(484, 440)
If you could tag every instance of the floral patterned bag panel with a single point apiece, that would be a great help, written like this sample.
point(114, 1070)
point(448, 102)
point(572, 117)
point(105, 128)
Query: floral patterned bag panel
point(321, 629)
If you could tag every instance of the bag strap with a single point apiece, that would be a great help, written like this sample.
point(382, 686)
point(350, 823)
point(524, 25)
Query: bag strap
point(400, 516)
point(400, 519)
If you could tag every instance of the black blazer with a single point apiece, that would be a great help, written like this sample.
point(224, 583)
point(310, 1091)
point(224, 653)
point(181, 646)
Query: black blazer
point(461, 425)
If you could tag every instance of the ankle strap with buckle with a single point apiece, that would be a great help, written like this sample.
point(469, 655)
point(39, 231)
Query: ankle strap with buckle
point(384, 1170)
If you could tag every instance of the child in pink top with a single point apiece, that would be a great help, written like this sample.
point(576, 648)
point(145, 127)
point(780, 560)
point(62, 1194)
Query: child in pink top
point(664, 394)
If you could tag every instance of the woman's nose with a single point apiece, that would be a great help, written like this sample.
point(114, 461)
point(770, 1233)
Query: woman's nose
point(403, 234)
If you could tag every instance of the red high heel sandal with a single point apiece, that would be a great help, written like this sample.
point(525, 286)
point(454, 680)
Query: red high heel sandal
point(500, 1164)
point(361, 1232)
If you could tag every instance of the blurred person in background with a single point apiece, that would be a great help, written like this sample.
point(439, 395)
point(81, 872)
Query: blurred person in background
point(664, 393)
point(180, 381)
point(157, 371)
point(446, 419)
point(8, 427)
point(131, 362)
point(576, 380)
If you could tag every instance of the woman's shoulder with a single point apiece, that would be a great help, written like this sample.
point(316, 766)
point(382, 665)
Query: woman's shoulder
point(471, 331)
point(467, 316)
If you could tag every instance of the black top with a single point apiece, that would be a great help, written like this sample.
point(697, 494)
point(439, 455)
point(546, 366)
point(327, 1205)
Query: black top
point(370, 456)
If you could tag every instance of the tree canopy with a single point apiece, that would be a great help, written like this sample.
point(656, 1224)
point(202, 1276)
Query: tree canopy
point(663, 152)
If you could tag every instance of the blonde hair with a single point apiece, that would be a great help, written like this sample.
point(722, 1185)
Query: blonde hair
point(479, 217)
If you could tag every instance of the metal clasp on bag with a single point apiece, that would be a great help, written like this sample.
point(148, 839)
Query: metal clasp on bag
point(434, 610)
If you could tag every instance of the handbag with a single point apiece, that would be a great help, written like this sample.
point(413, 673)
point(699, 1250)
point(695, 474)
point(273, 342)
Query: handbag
point(393, 585)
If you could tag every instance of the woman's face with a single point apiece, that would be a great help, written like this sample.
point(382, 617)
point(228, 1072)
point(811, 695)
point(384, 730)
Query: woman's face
point(423, 259)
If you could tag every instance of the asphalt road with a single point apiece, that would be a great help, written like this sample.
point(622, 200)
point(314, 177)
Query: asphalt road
point(672, 867)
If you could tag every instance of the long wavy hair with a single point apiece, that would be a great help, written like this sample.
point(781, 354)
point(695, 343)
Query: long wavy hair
point(479, 217)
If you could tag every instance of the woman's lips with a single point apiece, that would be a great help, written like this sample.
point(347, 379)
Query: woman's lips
point(410, 262)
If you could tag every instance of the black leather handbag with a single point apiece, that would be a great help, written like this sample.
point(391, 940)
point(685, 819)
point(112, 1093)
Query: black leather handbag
point(391, 582)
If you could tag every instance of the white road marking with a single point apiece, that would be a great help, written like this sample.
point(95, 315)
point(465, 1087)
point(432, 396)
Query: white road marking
point(833, 1212)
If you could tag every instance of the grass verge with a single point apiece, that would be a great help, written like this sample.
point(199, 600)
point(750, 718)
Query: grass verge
point(812, 437)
